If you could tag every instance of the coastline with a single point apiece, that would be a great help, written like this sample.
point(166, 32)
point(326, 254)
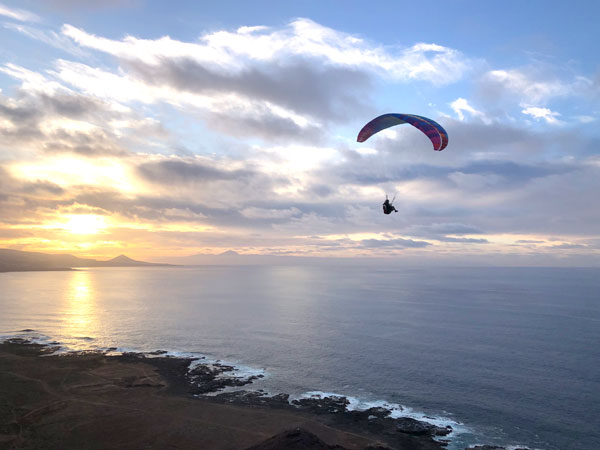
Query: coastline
point(95, 399)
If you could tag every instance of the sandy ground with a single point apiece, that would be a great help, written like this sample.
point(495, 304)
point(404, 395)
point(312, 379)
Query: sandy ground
point(90, 401)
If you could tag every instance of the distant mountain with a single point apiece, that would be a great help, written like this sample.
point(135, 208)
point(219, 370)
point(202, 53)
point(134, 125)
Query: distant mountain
point(125, 261)
point(16, 261)
point(229, 253)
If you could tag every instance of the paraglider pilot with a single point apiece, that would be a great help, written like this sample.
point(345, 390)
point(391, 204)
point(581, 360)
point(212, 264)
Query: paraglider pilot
point(388, 207)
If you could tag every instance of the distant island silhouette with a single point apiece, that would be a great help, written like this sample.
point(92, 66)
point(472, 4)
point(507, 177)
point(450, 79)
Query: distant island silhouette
point(20, 261)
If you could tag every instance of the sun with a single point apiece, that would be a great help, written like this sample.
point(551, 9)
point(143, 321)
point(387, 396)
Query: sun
point(85, 224)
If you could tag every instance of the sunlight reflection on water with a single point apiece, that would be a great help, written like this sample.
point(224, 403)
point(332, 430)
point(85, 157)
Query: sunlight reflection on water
point(80, 318)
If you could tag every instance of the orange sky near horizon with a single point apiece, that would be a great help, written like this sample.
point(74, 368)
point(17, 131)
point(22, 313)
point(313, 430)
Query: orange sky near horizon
point(122, 138)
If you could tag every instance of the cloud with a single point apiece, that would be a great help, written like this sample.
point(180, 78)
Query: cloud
point(301, 37)
point(463, 240)
point(178, 171)
point(95, 143)
point(51, 38)
point(264, 213)
point(532, 89)
point(18, 14)
point(221, 185)
point(446, 232)
point(396, 243)
point(47, 116)
point(263, 124)
point(154, 139)
point(586, 119)
point(225, 111)
point(471, 176)
point(543, 113)
point(568, 246)
point(529, 85)
point(57, 123)
point(271, 83)
point(460, 104)
point(446, 228)
point(514, 173)
point(300, 85)
point(22, 202)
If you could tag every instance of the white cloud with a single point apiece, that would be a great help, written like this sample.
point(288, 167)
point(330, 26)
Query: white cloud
point(461, 105)
point(234, 50)
point(543, 113)
point(18, 14)
point(46, 117)
point(249, 30)
point(273, 82)
point(37, 83)
point(125, 88)
point(434, 63)
point(272, 78)
point(531, 85)
point(263, 213)
point(293, 159)
point(52, 38)
point(32, 81)
point(586, 119)
point(150, 51)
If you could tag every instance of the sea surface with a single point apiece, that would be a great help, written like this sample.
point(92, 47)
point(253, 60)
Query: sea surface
point(507, 356)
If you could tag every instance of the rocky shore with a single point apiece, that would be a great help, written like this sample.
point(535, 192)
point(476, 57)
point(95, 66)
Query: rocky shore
point(94, 400)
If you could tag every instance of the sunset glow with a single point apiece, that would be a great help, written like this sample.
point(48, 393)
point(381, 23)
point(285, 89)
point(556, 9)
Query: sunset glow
point(85, 224)
point(169, 141)
point(68, 171)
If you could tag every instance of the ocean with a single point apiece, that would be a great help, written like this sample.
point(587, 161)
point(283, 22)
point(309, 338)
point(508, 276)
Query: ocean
point(507, 356)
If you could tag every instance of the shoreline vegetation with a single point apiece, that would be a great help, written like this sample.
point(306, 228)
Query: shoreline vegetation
point(97, 400)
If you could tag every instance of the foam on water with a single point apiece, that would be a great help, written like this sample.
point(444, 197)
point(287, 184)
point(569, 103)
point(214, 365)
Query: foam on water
point(508, 447)
point(396, 411)
point(245, 372)
point(239, 372)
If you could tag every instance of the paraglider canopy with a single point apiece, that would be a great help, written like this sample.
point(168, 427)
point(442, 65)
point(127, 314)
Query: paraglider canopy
point(434, 131)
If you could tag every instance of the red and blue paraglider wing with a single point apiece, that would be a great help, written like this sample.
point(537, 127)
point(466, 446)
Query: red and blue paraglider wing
point(433, 130)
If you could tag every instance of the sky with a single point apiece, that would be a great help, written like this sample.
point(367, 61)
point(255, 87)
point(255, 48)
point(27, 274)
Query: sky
point(168, 129)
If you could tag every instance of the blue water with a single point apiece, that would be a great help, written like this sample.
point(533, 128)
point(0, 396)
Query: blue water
point(511, 353)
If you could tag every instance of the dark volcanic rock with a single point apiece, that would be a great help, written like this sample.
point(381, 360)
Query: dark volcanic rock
point(375, 413)
point(27, 348)
point(297, 439)
point(207, 378)
point(322, 405)
point(253, 398)
point(244, 397)
point(281, 398)
point(157, 352)
point(419, 428)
